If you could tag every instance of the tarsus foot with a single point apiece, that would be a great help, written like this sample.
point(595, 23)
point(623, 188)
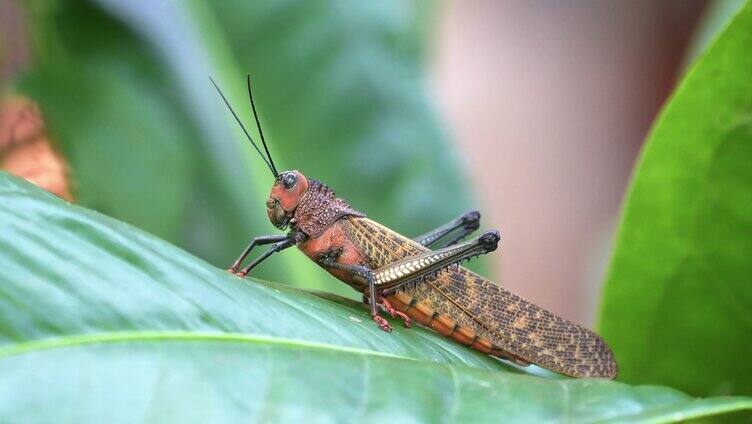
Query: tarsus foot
point(235, 267)
point(382, 323)
point(240, 274)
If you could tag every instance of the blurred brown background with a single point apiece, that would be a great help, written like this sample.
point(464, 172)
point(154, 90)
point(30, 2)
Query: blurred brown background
point(550, 102)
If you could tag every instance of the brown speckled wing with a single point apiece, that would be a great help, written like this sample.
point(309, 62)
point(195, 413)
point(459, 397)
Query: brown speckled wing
point(512, 324)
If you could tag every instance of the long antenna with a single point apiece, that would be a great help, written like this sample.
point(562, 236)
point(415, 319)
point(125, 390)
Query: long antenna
point(258, 125)
point(274, 171)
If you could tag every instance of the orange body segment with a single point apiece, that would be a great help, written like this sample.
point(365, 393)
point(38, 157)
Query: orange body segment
point(443, 325)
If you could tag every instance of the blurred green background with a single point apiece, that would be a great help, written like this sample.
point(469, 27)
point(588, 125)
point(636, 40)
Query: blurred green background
point(548, 104)
point(125, 88)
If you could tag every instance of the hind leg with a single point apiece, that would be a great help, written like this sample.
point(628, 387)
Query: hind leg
point(466, 223)
point(406, 320)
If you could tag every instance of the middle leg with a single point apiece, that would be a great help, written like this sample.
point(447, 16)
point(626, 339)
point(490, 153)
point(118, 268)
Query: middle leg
point(363, 275)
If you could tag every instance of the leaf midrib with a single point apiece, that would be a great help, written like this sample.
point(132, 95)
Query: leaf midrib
point(125, 336)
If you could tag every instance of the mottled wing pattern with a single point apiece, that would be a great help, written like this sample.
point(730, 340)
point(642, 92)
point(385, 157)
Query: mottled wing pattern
point(512, 324)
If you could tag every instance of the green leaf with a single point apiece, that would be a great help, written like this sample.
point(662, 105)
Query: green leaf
point(207, 378)
point(677, 306)
point(99, 320)
point(121, 279)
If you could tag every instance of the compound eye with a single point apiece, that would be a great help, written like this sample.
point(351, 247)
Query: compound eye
point(289, 180)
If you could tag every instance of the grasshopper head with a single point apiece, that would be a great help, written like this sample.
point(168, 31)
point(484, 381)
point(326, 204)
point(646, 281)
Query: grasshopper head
point(289, 186)
point(286, 193)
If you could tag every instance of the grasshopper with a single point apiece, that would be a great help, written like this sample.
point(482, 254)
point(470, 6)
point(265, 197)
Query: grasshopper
point(412, 282)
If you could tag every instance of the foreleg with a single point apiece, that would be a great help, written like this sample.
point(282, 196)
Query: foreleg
point(288, 241)
point(257, 241)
